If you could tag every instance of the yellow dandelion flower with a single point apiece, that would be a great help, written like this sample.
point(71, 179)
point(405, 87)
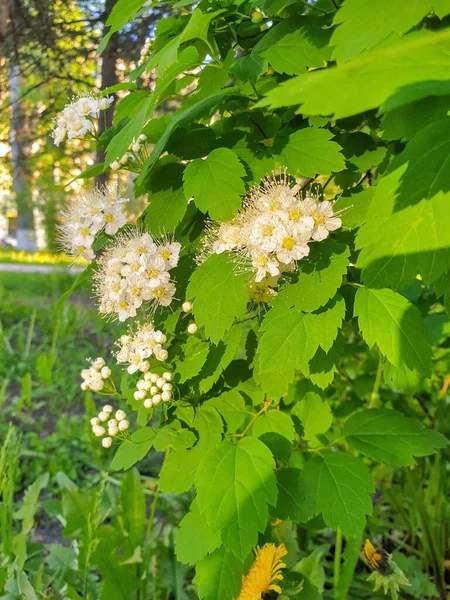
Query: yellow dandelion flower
point(266, 569)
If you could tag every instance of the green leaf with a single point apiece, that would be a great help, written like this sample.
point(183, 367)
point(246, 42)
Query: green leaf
point(167, 202)
point(274, 421)
point(231, 407)
point(332, 91)
point(294, 48)
point(122, 12)
point(354, 207)
point(315, 415)
point(219, 576)
point(290, 339)
point(194, 539)
point(319, 277)
point(292, 501)
point(120, 143)
point(173, 436)
point(216, 183)
point(219, 358)
point(235, 483)
point(389, 437)
point(133, 449)
point(179, 468)
point(195, 354)
point(406, 121)
point(363, 24)
point(248, 68)
point(220, 295)
point(396, 326)
point(209, 426)
point(338, 486)
point(133, 503)
point(310, 151)
point(412, 198)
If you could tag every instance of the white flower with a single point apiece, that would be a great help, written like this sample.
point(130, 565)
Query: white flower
point(163, 294)
point(170, 252)
point(104, 103)
point(136, 348)
point(58, 134)
point(324, 221)
point(76, 118)
point(264, 265)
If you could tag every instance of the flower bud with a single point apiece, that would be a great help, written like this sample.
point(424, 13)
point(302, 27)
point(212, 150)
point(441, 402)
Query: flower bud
point(95, 421)
point(115, 165)
point(192, 328)
point(148, 376)
point(107, 408)
point(136, 147)
point(156, 399)
point(124, 159)
point(120, 415)
point(148, 403)
point(84, 386)
point(103, 416)
point(98, 430)
point(154, 377)
point(141, 384)
point(154, 390)
point(105, 372)
point(106, 442)
point(112, 423)
point(167, 376)
point(142, 137)
point(163, 355)
point(144, 367)
point(113, 431)
point(139, 395)
point(98, 363)
point(123, 425)
point(186, 307)
point(167, 387)
point(160, 382)
point(166, 396)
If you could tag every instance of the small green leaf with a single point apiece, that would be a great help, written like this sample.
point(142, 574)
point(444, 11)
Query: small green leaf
point(292, 502)
point(338, 486)
point(310, 152)
point(315, 415)
point(220, 295)
point(216, 183)
point(248, 68)
point(209, 426)
point(389, 437)
point(194, 538)
point(219, 575)
point(274, 421)
point(179, 468)
point(231, 406)
point(195, 354)
point(396, 326)
point(173, 436)
point(133, 449)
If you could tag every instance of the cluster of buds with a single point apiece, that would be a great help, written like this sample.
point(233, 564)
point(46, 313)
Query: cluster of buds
point(93, 378)
point(153, 389)
point(115, 425)
point(134, 156)
point(145, 51)
point(186, 307)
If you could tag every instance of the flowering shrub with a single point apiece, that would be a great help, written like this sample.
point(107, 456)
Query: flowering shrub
point(297, 216)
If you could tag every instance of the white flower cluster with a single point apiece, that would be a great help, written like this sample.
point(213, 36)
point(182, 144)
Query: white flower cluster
point(93, 378)
point(115, 425)
point(100, 209)
point(135, 349)
point(154, 388)
point(134, 156)
point(274, 228)
point(145, 51)
point(133, 270)
point(76, 118)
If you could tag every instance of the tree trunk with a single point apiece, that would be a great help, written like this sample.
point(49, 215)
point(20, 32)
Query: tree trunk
point(19, 142)
point(109, 78)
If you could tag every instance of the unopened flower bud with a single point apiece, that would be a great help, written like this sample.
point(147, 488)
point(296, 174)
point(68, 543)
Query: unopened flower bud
point(156, 399)
point(141, 384)
point(142, 137)
point(95, 421)
point(154, 377)
point(124, 159)
point(84, 386)
point(120, 415)
point(148, 376)
point(115, 165)
point(148, 403)
point(98, 430)
point(107, 408)
point(113, 431)
point(145, 366)
point(103, 416)
point(139, 395)
point(167, 387)
point(136, 147)
point(112, 423)
point(166, 396)
point(154, 390)
point(160, 382)
point(167, 376)
point(186, 307)
point(106, 372)
point(192, 328)
point(106, 442)
point(98, 363)
point(163, 354)
point(123, 425)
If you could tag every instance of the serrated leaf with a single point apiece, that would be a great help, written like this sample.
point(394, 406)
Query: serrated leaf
point(354, 207)
point(274, 421)
point(209, 426)
point(231, 406)
point(219, 357)
point(235, 483)
point(220, 295)
point(248, 68)
point(194, 539)
point(331, 91)
point(412, 198)
point(290, 339)
point(381, 19)
point(195, 354)
point(319, 277)
point(167, 202)
point(292, 501)
point(133, 502)
point(216, 183)
point(219, 575)
point(311, 151)
point(389, 437)
point(120, 143)
point(338, 486)
point(406, 121)
point(179, 468)
point(396, 326)
point(173, 436)
point(133, 449)
point(315, 415)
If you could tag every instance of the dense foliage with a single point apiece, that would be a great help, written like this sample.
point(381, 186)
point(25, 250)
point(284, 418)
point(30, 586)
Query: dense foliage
point(297, 398)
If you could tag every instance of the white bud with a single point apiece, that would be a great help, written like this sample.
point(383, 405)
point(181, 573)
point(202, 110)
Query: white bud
point(106, 442)
point(145, 366)
point(160, 338)
point(98, 430)
point(186, 307)
point(107, 408)
point(115, 165)
point(113, 431)
point(141, 384)
point(154, 378)
point(120, 415)
point(163, 354)
point(148, 403)
point(148, 385)
point(166, 396)
point(95, 421)
point(112, 423)
point(124, 159)
point(84, 386)
point(192, 328)
point(105, 372)
point(142, 137)
point(148, 376)
point(154, 390)
point(123, 425)
point(96, 386)
point(156, 399)
point(167, 376)
point(167, 387)
point(139, 395)
point(98, 363)
point(136, 147)
point(103, 416)
point(160, 382)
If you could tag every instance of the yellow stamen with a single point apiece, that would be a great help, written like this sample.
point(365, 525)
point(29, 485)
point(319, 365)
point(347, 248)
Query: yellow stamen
point(288, 243)
point(266, 569)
